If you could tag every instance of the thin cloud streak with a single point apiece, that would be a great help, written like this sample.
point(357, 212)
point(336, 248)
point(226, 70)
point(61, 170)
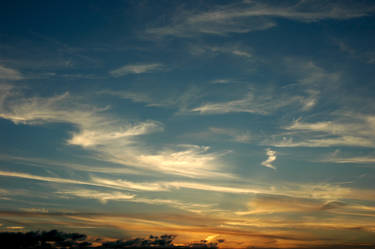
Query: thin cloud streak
point(254, 15)
point(136, 69)
point(319, 191)
point(251, 103)
point(103, 197)
point(10, 74)
point(347, 130)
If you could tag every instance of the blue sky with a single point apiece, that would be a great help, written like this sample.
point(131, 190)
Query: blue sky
point(248, 121)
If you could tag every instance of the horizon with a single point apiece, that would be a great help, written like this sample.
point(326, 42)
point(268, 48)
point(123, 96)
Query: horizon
point(249, 123)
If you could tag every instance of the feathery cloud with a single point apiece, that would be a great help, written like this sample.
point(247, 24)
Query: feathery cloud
point(136, 69)
point(250, 103)
point(103, 197)
point(9, 74)
point(347, 130)
point(250, 16)
point(115, 140)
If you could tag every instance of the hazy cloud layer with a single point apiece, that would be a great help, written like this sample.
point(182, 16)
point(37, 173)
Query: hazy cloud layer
point(248, 16)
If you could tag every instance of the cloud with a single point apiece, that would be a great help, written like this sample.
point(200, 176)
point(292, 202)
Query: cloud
point(235, 135)
point(95, 181)
point(315, 191)
point(42, 178)
point(250, 103)
point(103, 197)
point(121, 184)
point(15, 227)
point(47, 163)
point(88, 138)
point(186, 206)
point(136, 69)
point(312, 81)
point(191, 160)
point(178, 100)
point(9, 74)
point(271, 158)
point(347, 130)
point(247, 16)
point(35, 210)
point(229, 49)
point(114, 140)
point(364, 56)
point(355, 160)
point(124, 184)
point(283, 204)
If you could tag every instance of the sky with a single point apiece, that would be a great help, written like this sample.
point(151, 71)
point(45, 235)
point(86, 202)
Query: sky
point(251, 122)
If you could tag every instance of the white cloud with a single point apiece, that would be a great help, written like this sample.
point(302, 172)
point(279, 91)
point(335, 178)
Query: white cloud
point(250, 16)
point(320, 190)
point(9, 74)
point(360, 160)
point(114, 140)
point(271, 158)
point(136, 69)
point(250, 103)
point(312, 82)
point(347, 130)
point(336, 157)
point(105, 135)
point(103, 197)
point(42, 178)
point(106, 196)
point(124, 184)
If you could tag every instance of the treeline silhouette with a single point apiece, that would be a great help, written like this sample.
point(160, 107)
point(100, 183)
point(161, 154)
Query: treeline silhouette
point(55, 239)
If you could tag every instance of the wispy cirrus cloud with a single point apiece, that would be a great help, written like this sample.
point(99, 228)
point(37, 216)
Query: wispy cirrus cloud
point(282, 204)
point(346, 130)
point(228, 49)
point(262, 104)
point(247, 16)
point(137, 69)
point(321, 191)
point(103, 197)
point(115, 140)
point(338, 157)
point(7, 73)
point(365, 56)
point(355, 160)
